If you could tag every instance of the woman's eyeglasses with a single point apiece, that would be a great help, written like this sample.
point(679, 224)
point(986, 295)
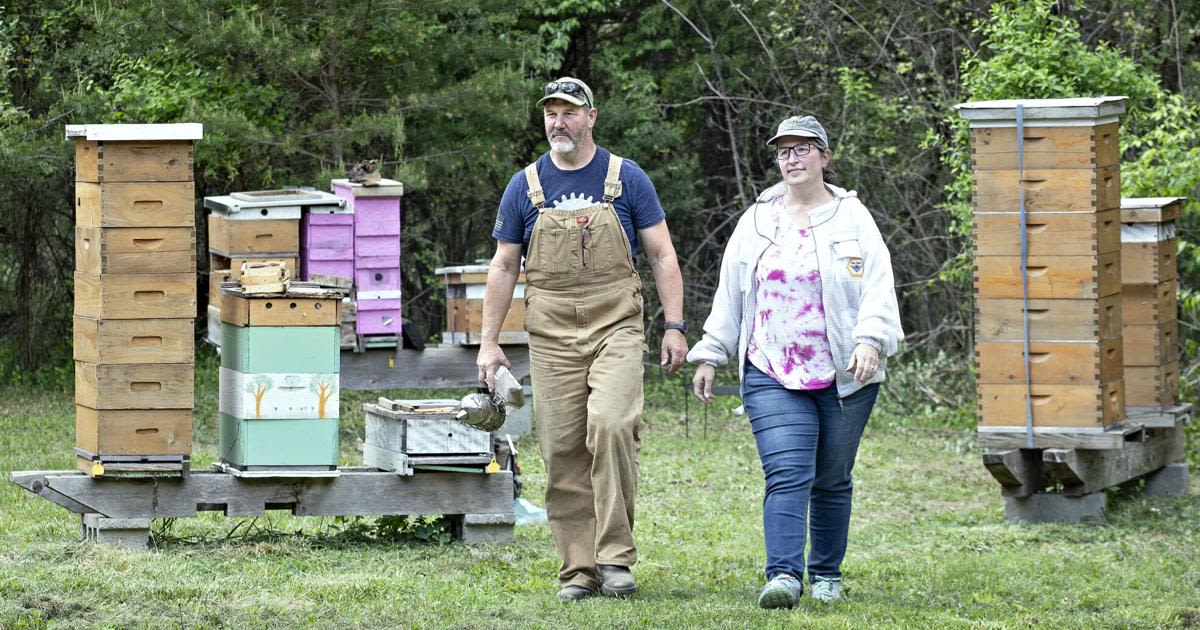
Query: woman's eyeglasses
point(800, 150)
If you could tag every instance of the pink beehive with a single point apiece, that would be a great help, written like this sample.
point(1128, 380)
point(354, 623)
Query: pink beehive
point(376, 237)
point(327, 244)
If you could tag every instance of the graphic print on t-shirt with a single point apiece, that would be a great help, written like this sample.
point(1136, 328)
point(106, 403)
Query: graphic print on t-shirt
point(573, 203)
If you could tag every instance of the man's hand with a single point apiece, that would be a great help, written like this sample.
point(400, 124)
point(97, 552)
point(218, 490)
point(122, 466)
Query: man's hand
point(490, 355)
point(702, 382)
point(863, 362)
point(674, 350)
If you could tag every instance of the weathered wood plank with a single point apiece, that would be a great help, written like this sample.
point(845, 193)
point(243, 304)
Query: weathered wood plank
point(1018, 470)
point(1083, 471)
point(356, 492)
point(1015, 438)
point(1157, 418)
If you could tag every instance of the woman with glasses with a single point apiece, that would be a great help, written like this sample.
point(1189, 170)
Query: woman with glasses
point(806, 310)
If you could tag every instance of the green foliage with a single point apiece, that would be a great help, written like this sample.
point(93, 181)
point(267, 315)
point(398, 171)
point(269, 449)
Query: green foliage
point(1028, 51)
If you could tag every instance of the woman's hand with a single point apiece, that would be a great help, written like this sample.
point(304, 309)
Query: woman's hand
point(702, 382)
point(864, 361)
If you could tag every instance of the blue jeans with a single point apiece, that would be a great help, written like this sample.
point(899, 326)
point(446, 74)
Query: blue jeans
point(807, 441)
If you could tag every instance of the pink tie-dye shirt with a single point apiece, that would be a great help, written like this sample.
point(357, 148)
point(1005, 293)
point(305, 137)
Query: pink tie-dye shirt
point(788, 339)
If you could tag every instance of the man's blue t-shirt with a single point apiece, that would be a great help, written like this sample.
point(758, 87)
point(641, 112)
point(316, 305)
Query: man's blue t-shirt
point(637, 207)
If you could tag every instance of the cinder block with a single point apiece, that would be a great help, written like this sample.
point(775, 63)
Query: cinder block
point(1169, 481)
point(130, 533)
point(1051, 507)
point(485, 528)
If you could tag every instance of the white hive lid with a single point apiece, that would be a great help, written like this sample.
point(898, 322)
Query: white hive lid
point(1149, 202)
point(385, 188)
point(1044, 112)
point(173, 131)
point(282, 198)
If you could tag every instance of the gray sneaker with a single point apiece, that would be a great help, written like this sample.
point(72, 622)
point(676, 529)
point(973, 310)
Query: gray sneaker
point(616, 580)
point(781, 591)
point(825, 589)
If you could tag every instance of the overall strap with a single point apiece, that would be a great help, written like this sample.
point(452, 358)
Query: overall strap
point(612, 181)
point(536, 196)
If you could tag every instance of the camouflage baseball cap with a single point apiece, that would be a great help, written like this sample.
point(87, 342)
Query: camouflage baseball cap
point(568, 89)
point(803, 127)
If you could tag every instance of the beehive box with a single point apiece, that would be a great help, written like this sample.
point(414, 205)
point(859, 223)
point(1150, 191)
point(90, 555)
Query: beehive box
point(134, 431)
point(1068, 176)
point(135, 250)
point(127, 341)
point(134, 386)
point(419, 434)
point(377, 313)
point(1152, 386)
point(135, 204)
point(276, 237)
point(376, 268)
point(135, 297)
point(1051, 362)
point(464, 285)
point(1149, 300)
point(1151, 344)
point(1049, 320)
point(279, 379)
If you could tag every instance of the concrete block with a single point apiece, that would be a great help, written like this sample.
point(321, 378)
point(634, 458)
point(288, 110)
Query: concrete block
point(1169, 481)
point(485, 528)
point(1051, 507)
point(130, 533)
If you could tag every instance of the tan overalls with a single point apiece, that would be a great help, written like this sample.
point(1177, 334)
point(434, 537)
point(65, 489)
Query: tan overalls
point(583, 312)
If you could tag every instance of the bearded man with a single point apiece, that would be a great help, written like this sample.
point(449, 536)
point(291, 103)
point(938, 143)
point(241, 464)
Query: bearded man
point(578, 216)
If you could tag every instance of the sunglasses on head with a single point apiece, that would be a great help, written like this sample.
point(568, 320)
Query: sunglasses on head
point(565, 87)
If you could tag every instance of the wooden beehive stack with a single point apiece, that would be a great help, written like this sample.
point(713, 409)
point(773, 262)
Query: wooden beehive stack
point(135, 297)
point(254, 226)
point(279, 380)
point(1149, 289)
point(376, 211)
point(1070, 174)
point(464, 286)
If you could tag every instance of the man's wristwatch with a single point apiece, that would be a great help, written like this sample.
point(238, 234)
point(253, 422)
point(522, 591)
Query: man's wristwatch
point(681, 326)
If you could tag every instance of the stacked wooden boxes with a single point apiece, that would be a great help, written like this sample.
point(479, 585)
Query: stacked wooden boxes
point(279, 379)
point(1149, 290)
point(376, 212)
point(135, 296)
point(464, 286)
point(327, 244)
point(1071, 182)
point(255, 226)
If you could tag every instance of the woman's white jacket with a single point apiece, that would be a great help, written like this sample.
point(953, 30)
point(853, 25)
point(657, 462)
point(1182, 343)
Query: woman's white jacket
point(857, 288)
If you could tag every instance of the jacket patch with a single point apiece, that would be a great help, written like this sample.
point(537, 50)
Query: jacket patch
point(855, 267)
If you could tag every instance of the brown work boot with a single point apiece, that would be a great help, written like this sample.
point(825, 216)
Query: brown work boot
point(616, 580)
point(574, 593)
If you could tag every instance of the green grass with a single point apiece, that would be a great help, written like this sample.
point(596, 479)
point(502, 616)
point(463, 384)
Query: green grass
point(929, 546)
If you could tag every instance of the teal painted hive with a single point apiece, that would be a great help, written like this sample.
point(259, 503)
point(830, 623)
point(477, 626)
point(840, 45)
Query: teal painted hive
point(279, 387)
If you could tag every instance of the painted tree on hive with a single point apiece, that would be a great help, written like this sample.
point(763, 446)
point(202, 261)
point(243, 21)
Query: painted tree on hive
point(324, 388)
point(259, 388)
